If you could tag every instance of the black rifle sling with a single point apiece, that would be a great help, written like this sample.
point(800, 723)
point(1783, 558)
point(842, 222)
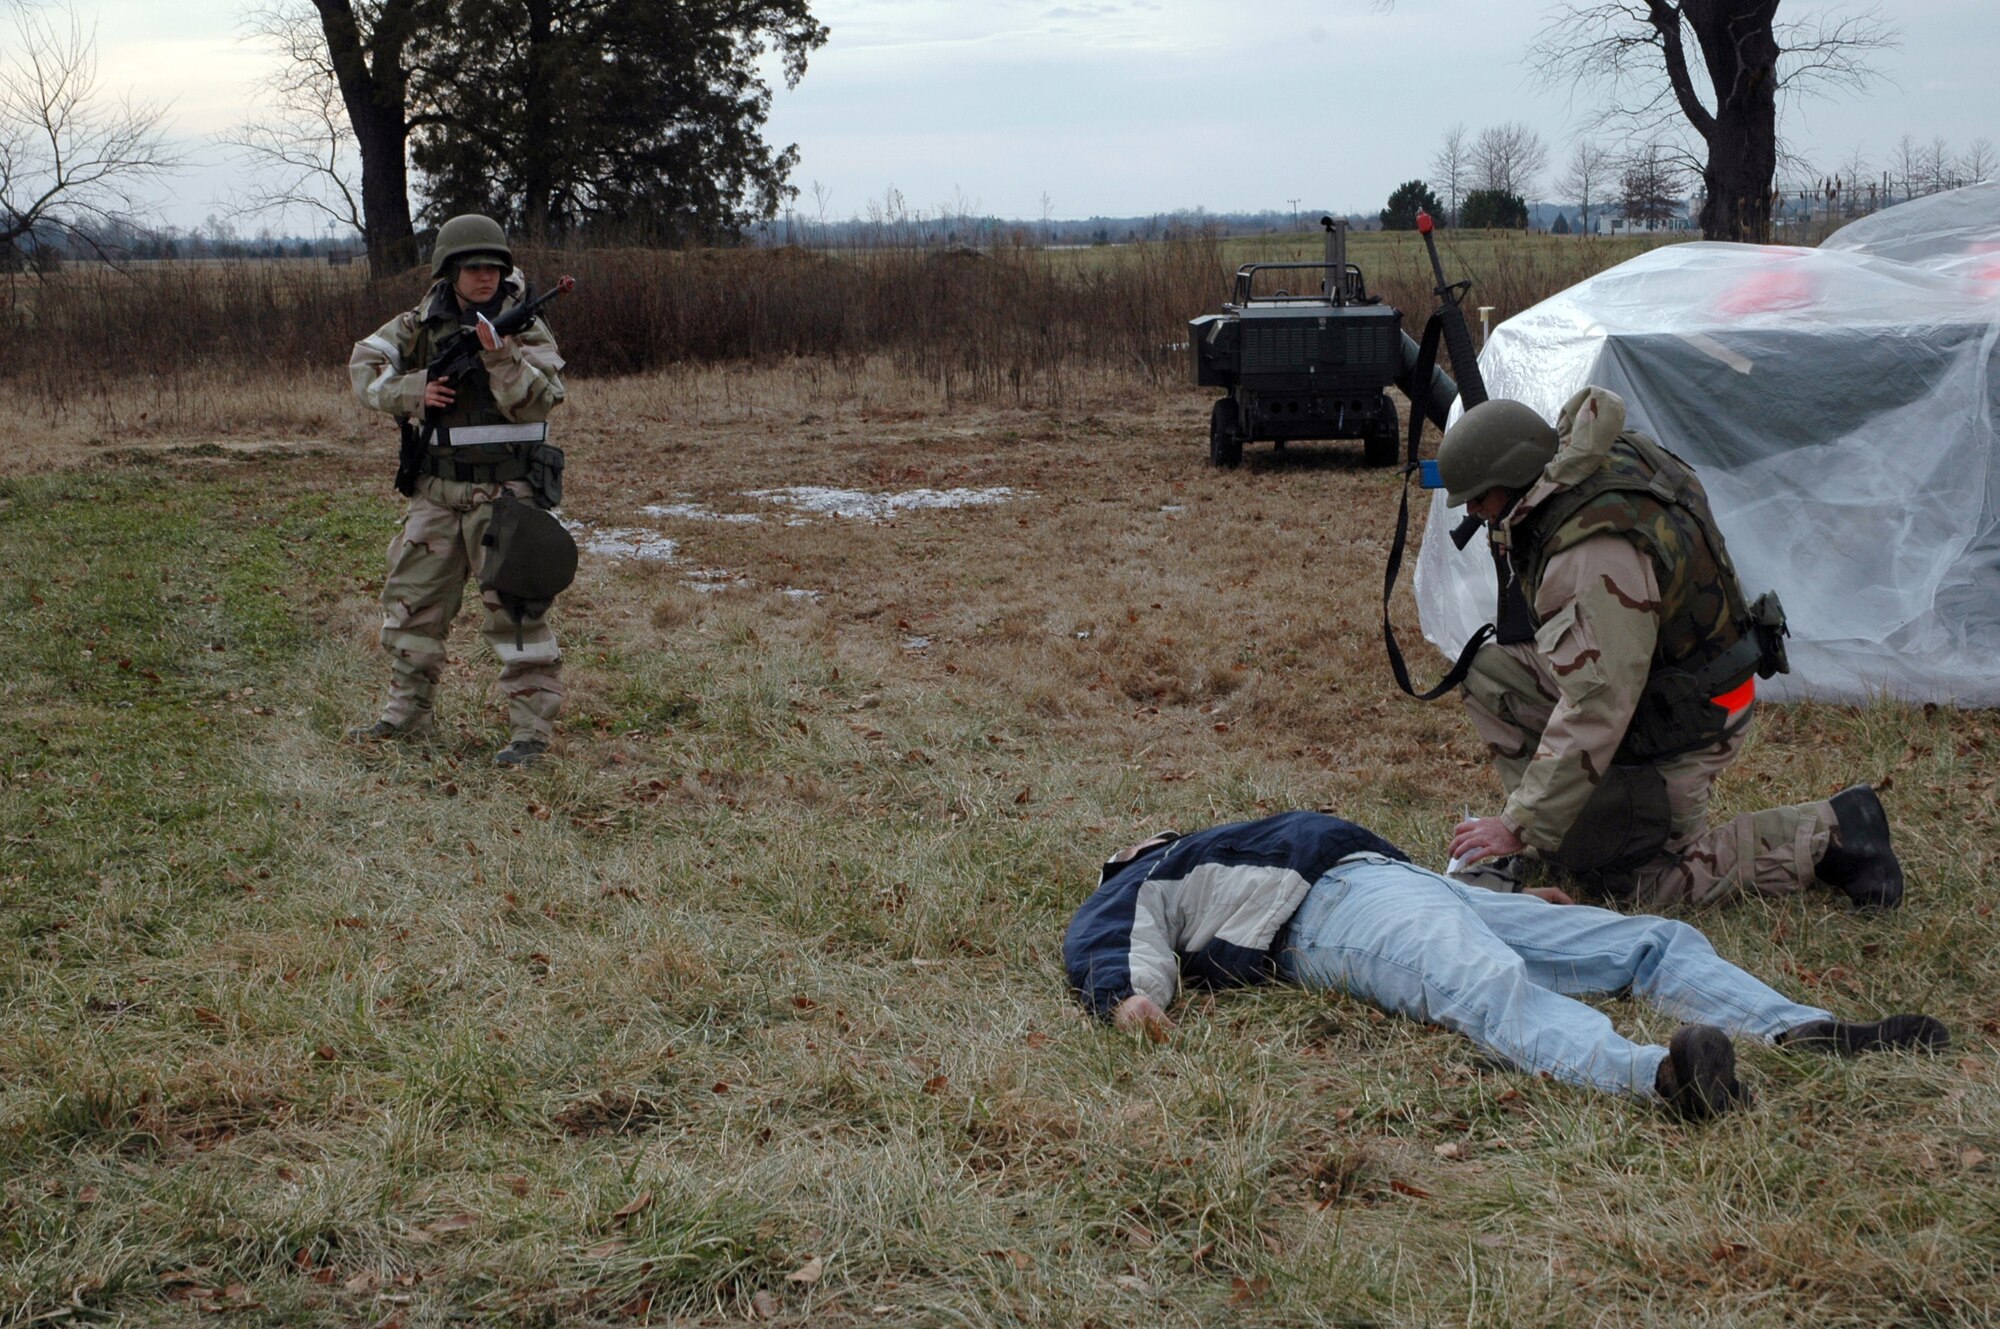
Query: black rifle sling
point(1426, 361)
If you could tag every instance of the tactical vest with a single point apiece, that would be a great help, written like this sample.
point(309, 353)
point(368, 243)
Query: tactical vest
point(473, 402)
point(1706, 646)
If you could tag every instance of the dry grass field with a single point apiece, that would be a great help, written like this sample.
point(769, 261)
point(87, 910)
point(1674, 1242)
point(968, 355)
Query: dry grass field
point(747, 1005)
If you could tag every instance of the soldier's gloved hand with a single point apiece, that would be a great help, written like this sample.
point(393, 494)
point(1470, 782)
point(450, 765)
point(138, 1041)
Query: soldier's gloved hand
point(438, 393)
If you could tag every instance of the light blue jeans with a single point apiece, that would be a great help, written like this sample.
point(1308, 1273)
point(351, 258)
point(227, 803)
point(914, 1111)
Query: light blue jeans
point(1495, 967)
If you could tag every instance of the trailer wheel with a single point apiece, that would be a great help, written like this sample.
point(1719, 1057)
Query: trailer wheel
point(1225, 445)
point(1383, 446)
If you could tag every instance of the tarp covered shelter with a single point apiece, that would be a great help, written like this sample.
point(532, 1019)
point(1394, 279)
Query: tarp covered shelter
point(1840, 405)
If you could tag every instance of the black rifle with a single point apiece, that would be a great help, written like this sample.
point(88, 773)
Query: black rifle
point(456, 356)
point(1515, 621)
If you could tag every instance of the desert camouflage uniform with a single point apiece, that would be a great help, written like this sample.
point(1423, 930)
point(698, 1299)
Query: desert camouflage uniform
point(439, 545)
point(1554, 712)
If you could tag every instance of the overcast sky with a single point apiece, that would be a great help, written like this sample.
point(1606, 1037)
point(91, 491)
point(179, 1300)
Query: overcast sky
point(1133, 106)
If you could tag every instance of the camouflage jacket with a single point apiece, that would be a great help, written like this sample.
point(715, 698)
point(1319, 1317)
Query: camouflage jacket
point(522, 383)
point(1625, 587)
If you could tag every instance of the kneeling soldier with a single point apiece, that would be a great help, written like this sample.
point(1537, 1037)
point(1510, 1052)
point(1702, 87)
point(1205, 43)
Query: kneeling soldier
point(483, 440)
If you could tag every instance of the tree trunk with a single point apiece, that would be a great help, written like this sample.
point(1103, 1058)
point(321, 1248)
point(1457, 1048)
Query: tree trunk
point(374, 85)
point(537, 170)
point(1740, 51)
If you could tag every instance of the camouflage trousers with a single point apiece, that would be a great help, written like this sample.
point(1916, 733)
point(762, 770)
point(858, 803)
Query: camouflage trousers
point(429, 561)
point(1510, 695)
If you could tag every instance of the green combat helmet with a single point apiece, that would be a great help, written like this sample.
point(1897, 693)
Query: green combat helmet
point(467, 234)
point(1497, 442)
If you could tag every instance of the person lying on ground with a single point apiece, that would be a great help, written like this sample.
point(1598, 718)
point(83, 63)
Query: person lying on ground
point(1312, 899)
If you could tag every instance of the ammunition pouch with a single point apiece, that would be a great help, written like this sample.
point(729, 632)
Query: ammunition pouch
point(1676, 711)
point(527, 559)
point(1623, 827)
point(1767, 623)
point(545, 471)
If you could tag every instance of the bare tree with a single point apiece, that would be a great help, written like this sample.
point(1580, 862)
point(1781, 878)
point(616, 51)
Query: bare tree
point(296, 146)
point(354, 55)
point(1743, 62)
point(1906, 165)
point(1979, 161)
point(1451, 169)
point(72, 159)
point(1507, 158)
point(1649, 186)
point(1586, 175)
point(1857, 179)
point(1940, 166)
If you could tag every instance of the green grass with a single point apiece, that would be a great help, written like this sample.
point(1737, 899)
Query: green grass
point(749, 1001)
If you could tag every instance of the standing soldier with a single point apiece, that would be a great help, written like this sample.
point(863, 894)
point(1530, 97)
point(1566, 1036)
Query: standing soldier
point(484, 437)
point(1610, 727)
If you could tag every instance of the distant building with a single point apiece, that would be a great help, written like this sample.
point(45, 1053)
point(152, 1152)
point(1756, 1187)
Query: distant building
point(1612, 222)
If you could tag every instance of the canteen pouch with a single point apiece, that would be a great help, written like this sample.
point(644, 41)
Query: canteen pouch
point(545, 470)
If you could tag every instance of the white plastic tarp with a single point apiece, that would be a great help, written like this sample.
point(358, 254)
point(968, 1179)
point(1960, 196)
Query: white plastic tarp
point(1839, 404)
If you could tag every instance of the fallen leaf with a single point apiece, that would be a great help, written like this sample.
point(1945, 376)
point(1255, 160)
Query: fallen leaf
point(643, 1199)
point(1243, 1290)
point(807, 1273)
point(1019, 1259)
point(1405, 1188)
point(456, 1223)
point(936, 1084)
point(765, 1303)
point(604, 1248)
point(1971, 1158)
point(1456, 1149)
point(1133, 1283)
point(1026, 795)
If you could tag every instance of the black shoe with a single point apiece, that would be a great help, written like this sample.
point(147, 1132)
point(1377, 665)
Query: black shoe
point(1698, 1078)
point(521, 753)
point(1858, 860)
point(1846, 1040)
point(419, 725)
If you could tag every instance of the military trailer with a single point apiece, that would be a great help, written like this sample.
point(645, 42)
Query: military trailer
point(1306, 366)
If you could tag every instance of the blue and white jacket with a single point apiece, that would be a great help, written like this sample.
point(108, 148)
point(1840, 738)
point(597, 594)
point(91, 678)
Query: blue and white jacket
point(1207, 907)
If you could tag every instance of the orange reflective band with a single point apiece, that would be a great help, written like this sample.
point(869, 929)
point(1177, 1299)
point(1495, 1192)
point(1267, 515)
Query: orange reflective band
point(1737, 698)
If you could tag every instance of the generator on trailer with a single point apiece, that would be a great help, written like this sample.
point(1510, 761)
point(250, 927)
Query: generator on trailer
point(1310, 366)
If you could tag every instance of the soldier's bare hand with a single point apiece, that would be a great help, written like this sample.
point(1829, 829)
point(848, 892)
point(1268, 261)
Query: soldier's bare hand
point(1553, 894)
point(438, 393)
point(1483, 837)
point(1143, 1014)
point(488, 337)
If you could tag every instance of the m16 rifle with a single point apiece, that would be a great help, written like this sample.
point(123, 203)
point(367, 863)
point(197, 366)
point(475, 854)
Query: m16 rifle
point(1515, 622)
point(458, 355)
